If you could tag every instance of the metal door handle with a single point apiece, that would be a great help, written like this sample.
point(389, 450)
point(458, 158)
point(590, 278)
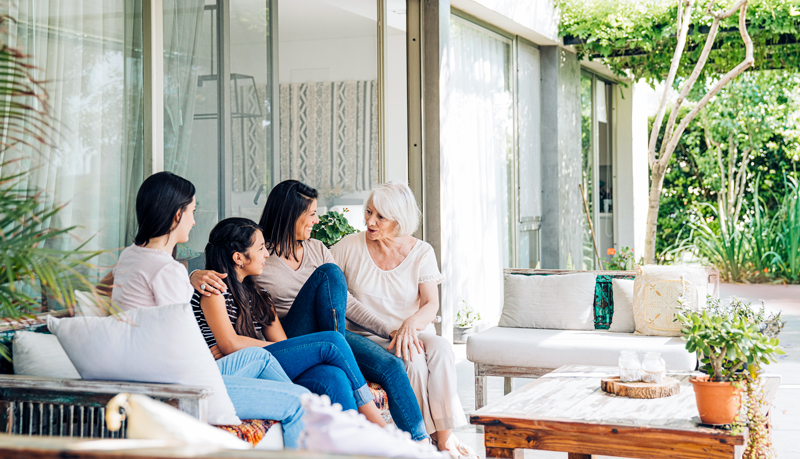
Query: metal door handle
point(258, 193)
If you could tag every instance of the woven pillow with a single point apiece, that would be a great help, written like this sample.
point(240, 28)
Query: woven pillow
point(558, 301)
point(656, 291)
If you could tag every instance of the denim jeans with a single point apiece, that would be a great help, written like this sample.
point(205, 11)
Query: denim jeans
point(320, 306)
point(323, 363)
point(259, 389)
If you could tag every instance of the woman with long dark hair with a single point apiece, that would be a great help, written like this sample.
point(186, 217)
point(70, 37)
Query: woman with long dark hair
point(310, 295)
point(244, 317)
point(147, 275)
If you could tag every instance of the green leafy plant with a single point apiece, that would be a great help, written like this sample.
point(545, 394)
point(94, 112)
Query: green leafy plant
point(332, 227)
point(35, 269)
point(466, 317)
point(620, 261)
point(729, 339)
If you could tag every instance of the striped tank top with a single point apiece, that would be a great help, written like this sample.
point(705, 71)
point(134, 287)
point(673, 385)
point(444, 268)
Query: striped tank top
point(233, 314)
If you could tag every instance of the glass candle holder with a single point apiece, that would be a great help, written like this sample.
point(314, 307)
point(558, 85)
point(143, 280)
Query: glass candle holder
point(629, 366)
point(653, 368)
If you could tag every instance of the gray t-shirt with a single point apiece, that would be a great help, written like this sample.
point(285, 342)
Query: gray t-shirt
point(283, 284)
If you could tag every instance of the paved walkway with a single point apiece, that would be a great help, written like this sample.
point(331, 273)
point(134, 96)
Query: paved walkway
point(786, 407)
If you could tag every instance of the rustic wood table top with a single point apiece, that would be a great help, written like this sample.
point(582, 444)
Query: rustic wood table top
point(566, 410)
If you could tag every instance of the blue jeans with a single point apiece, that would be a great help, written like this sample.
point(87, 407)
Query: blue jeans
point(323, 363)
point(259, 389)
point(320, 306)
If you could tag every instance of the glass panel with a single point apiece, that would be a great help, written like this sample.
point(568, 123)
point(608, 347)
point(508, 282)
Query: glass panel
point(587, 150)
point(605, 225)
point(251, 105)
point(191, 147)
point(530, 174)
point(229, 177)
point(396, 156)
point(328, 100)
point(477, 212)
point(89, 53)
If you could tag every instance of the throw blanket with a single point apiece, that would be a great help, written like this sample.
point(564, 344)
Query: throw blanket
point(329, 135)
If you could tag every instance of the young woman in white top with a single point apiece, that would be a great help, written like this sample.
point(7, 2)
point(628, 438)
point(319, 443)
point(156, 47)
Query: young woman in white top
point(147, 275)
point(395, 275)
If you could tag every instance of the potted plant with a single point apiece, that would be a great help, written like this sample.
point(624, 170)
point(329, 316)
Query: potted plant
point(466, 318)
point(332, 227)
point(732, 349)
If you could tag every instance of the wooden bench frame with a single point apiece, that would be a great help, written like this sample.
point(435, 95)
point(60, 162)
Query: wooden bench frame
point(508, 373)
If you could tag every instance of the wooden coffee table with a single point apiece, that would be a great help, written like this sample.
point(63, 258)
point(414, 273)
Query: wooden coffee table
point(567, 411)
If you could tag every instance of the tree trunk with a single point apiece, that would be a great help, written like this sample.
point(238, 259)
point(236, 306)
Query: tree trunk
point(656, 183)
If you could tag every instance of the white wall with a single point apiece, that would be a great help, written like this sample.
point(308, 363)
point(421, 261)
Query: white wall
point(536, 20)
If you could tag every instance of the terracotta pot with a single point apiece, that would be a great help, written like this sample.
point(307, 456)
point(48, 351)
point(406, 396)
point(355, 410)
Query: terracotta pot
point(717, 402)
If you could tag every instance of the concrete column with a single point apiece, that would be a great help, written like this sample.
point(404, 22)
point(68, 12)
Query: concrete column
point(561, 158)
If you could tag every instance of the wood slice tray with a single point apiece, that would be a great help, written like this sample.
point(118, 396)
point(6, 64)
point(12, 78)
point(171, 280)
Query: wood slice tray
point(667, 388)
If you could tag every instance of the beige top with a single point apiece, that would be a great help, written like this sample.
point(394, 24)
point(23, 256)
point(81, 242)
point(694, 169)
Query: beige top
point(392, 295)
point(283, 284)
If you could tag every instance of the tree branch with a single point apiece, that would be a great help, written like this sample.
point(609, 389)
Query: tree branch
point(686, 13)
point(689, 83)
point(736, 71)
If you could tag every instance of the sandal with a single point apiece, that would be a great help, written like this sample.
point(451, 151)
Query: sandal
point(459, 450)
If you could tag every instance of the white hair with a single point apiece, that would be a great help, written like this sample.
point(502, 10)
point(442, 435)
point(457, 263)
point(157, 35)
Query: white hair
point(396, 202)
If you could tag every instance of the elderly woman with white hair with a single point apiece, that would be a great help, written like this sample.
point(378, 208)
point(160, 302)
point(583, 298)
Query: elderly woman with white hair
point(395, 276)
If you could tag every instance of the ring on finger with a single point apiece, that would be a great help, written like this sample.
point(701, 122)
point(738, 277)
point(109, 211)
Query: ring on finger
point(203, 286)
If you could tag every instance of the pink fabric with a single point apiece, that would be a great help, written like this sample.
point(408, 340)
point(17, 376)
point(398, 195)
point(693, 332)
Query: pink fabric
point(149, 277)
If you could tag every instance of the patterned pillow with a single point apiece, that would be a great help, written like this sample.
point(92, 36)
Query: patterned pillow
point(656, 291)
point(250, 430)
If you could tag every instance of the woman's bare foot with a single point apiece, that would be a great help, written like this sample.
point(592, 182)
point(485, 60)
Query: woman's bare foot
point(372, 413)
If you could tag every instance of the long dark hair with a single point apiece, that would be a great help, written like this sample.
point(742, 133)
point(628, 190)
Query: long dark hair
point(255, 305)
point(160, 197)
point(285, 205)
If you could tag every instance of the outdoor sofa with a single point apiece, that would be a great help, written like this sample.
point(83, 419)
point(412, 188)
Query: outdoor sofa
point(511, 352)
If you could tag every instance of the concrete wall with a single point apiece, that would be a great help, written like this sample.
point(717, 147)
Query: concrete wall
point(536, 20)
point(561, 158)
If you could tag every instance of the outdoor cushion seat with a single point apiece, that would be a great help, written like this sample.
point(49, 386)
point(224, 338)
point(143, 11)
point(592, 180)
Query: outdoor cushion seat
point(542, 348)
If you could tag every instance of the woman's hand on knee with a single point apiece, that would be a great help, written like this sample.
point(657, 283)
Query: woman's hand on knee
point(207, 282)
point(405, 340)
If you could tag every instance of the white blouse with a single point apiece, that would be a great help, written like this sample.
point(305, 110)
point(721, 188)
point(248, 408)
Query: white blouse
point(392, 295)
point(147, 277)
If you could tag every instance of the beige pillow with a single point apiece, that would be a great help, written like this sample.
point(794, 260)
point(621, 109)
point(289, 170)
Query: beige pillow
point(622, 320)
point(558, 301)
point(656, 292)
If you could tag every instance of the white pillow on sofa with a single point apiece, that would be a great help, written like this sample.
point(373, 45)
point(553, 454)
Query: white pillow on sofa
point(622, 320)
point(160, 344)
point(40, 354)
point(558, 301)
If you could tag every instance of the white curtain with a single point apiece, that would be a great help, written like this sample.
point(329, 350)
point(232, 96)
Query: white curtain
point(89, 54)
point(475, 159)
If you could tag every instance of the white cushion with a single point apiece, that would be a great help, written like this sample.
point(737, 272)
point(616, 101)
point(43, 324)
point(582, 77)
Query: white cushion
point(86, 305)
point(622, 320)
point(655, 297)
point(559, 301)
point(40, 354)
point(554, 348)
point(158, 344)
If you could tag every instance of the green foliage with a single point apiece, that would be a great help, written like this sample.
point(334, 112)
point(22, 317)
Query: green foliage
point(638, 37)
point(621, 261)
point(729, 339)
point(332, 227)
point(466, 317)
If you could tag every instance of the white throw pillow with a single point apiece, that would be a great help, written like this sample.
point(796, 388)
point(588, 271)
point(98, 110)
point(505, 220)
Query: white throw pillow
point(558, 301)
point(159, 344)
point(656, 290)
point(40, 354)
point(86, 305)
point(622, 320)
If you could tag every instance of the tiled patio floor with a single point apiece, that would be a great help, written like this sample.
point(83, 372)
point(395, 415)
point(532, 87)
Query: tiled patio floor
point(786, 407)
